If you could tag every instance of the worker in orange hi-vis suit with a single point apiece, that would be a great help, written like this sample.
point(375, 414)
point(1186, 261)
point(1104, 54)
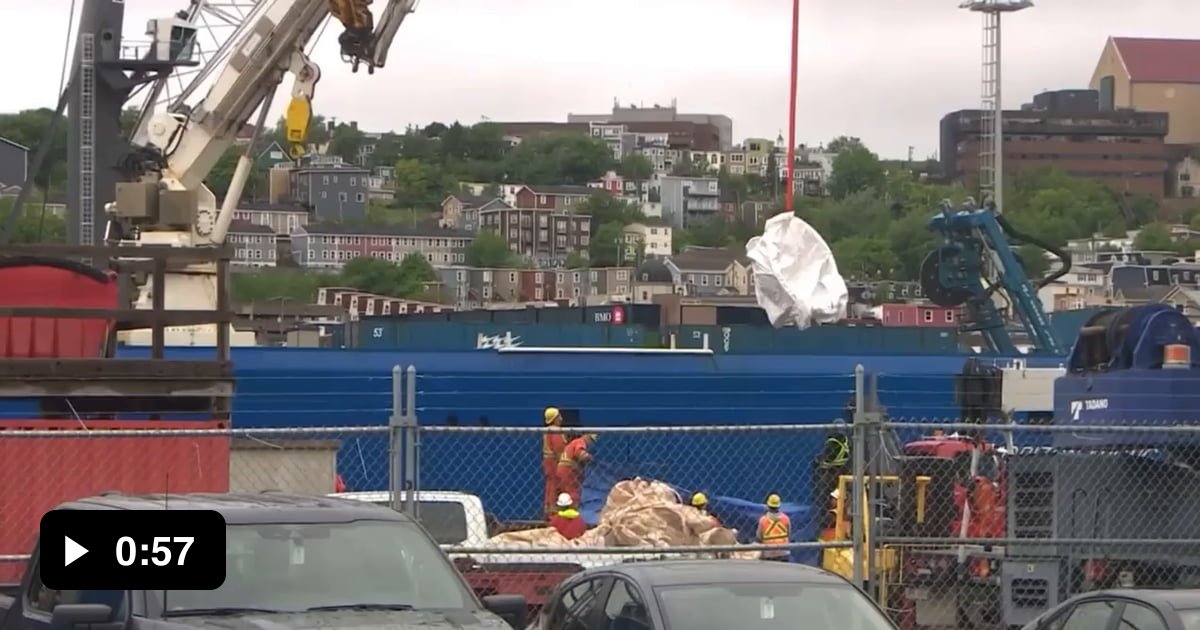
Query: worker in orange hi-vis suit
point(571, 464)
point(552, 447)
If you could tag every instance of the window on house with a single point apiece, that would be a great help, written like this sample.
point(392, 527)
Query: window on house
point(324, 195)
point(353, 181)
point(949, 317)
point(928, 315)
point(359, 197)
point(325, 180)
point(342, 196)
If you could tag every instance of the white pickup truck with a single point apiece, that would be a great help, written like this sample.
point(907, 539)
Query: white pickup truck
point(458, 520)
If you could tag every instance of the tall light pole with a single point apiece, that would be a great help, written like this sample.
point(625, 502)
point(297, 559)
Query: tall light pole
point(991, 140)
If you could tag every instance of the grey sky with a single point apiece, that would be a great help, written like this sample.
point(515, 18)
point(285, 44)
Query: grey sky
point(882, 70)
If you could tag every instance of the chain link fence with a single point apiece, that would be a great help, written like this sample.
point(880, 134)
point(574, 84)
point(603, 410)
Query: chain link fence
point(959, 524)
point(41, 469)
point(989, 526)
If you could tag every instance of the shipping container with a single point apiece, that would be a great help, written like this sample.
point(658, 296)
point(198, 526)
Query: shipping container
point(819, 340)
point(608, 314)
point(478, 316)
point(389, 334)
point(741, 316)
point(515, 316)
point(560, 315)
point(631, 337)
point(427, 316)
point(649, 315)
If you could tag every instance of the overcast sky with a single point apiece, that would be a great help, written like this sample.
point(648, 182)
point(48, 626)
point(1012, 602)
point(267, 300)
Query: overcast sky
point(885, 71)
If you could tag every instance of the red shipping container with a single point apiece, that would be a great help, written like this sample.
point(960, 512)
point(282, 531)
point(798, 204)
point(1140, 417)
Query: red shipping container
point(54, 283)
point(39, 473)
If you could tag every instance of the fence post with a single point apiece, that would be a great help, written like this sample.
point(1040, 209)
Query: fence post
point(872, 421)
point(412, 444)
point(397, 481)
point(857, 456)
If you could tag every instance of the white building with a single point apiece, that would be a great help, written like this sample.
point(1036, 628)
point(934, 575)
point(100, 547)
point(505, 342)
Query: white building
point(654, 240)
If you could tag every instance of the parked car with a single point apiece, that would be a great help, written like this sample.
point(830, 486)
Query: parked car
point(1124, 609)
point(709, 595)
point(362, 566)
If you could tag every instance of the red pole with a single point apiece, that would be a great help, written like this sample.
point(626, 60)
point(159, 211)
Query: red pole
point(791, 150)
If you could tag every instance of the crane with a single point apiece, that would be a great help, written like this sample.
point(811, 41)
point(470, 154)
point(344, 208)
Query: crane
point(164, 201)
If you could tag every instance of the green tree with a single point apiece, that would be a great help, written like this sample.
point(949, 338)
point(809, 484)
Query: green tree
point(865, 258)
point(1033, 259)
point(636, 168)
point(607, 245)
point(575, 261)
point(346, 142)
point(129, 118)
point(419, 183)
point(1154, 237)
point(33, 225)
point(380, 276)
point(855, 170)
point(283, 284)
point(222, 174)
point(605, 208)
point(714, 232)
point(844, 143)
point(489, 249)
point(28, 128)
point(558, 159)
point(378, 214)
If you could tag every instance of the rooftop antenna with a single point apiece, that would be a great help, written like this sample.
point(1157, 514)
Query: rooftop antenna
point(991, 139)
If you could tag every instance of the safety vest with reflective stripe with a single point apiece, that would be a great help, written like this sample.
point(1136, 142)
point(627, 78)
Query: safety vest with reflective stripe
point(774, 529)
point(575, 454)
point(553, 445)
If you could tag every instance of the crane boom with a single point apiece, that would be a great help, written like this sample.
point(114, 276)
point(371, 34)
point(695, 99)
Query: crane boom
point(166, 202)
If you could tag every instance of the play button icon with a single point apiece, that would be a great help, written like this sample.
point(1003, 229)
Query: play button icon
point(72, 551)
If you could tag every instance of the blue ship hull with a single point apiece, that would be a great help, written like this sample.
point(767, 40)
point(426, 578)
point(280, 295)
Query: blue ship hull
point(282, 387)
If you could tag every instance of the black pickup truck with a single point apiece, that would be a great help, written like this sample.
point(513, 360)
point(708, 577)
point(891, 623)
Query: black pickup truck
point(364, 566)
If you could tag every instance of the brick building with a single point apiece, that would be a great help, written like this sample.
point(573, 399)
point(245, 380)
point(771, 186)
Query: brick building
point(1124, 149)
point(543, 226)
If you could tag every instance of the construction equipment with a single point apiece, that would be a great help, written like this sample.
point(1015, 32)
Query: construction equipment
point(1127, 368)
point(975, 267)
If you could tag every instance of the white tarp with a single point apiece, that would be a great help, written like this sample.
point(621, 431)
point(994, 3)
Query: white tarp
point(795, 276)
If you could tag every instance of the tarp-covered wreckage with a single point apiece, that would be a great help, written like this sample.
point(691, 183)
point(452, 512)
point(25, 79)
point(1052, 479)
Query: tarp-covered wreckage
point(649, 513)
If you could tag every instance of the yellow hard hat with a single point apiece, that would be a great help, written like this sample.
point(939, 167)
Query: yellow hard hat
point(699, 500)
point(551, 414)
point(773, 501)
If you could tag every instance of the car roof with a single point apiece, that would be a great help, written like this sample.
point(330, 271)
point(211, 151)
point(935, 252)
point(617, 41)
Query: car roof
point(680, 572)
point(1179, 599)
point(246, 508)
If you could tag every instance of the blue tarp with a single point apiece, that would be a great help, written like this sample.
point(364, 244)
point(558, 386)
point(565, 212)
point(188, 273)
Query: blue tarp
point(733, 512)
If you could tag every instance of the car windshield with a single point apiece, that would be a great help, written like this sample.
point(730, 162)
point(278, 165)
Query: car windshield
point(295, 567)
point(751, 606)
point(1190, 618)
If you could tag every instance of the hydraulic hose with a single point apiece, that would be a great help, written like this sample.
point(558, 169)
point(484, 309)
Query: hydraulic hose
point(1063, 256)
